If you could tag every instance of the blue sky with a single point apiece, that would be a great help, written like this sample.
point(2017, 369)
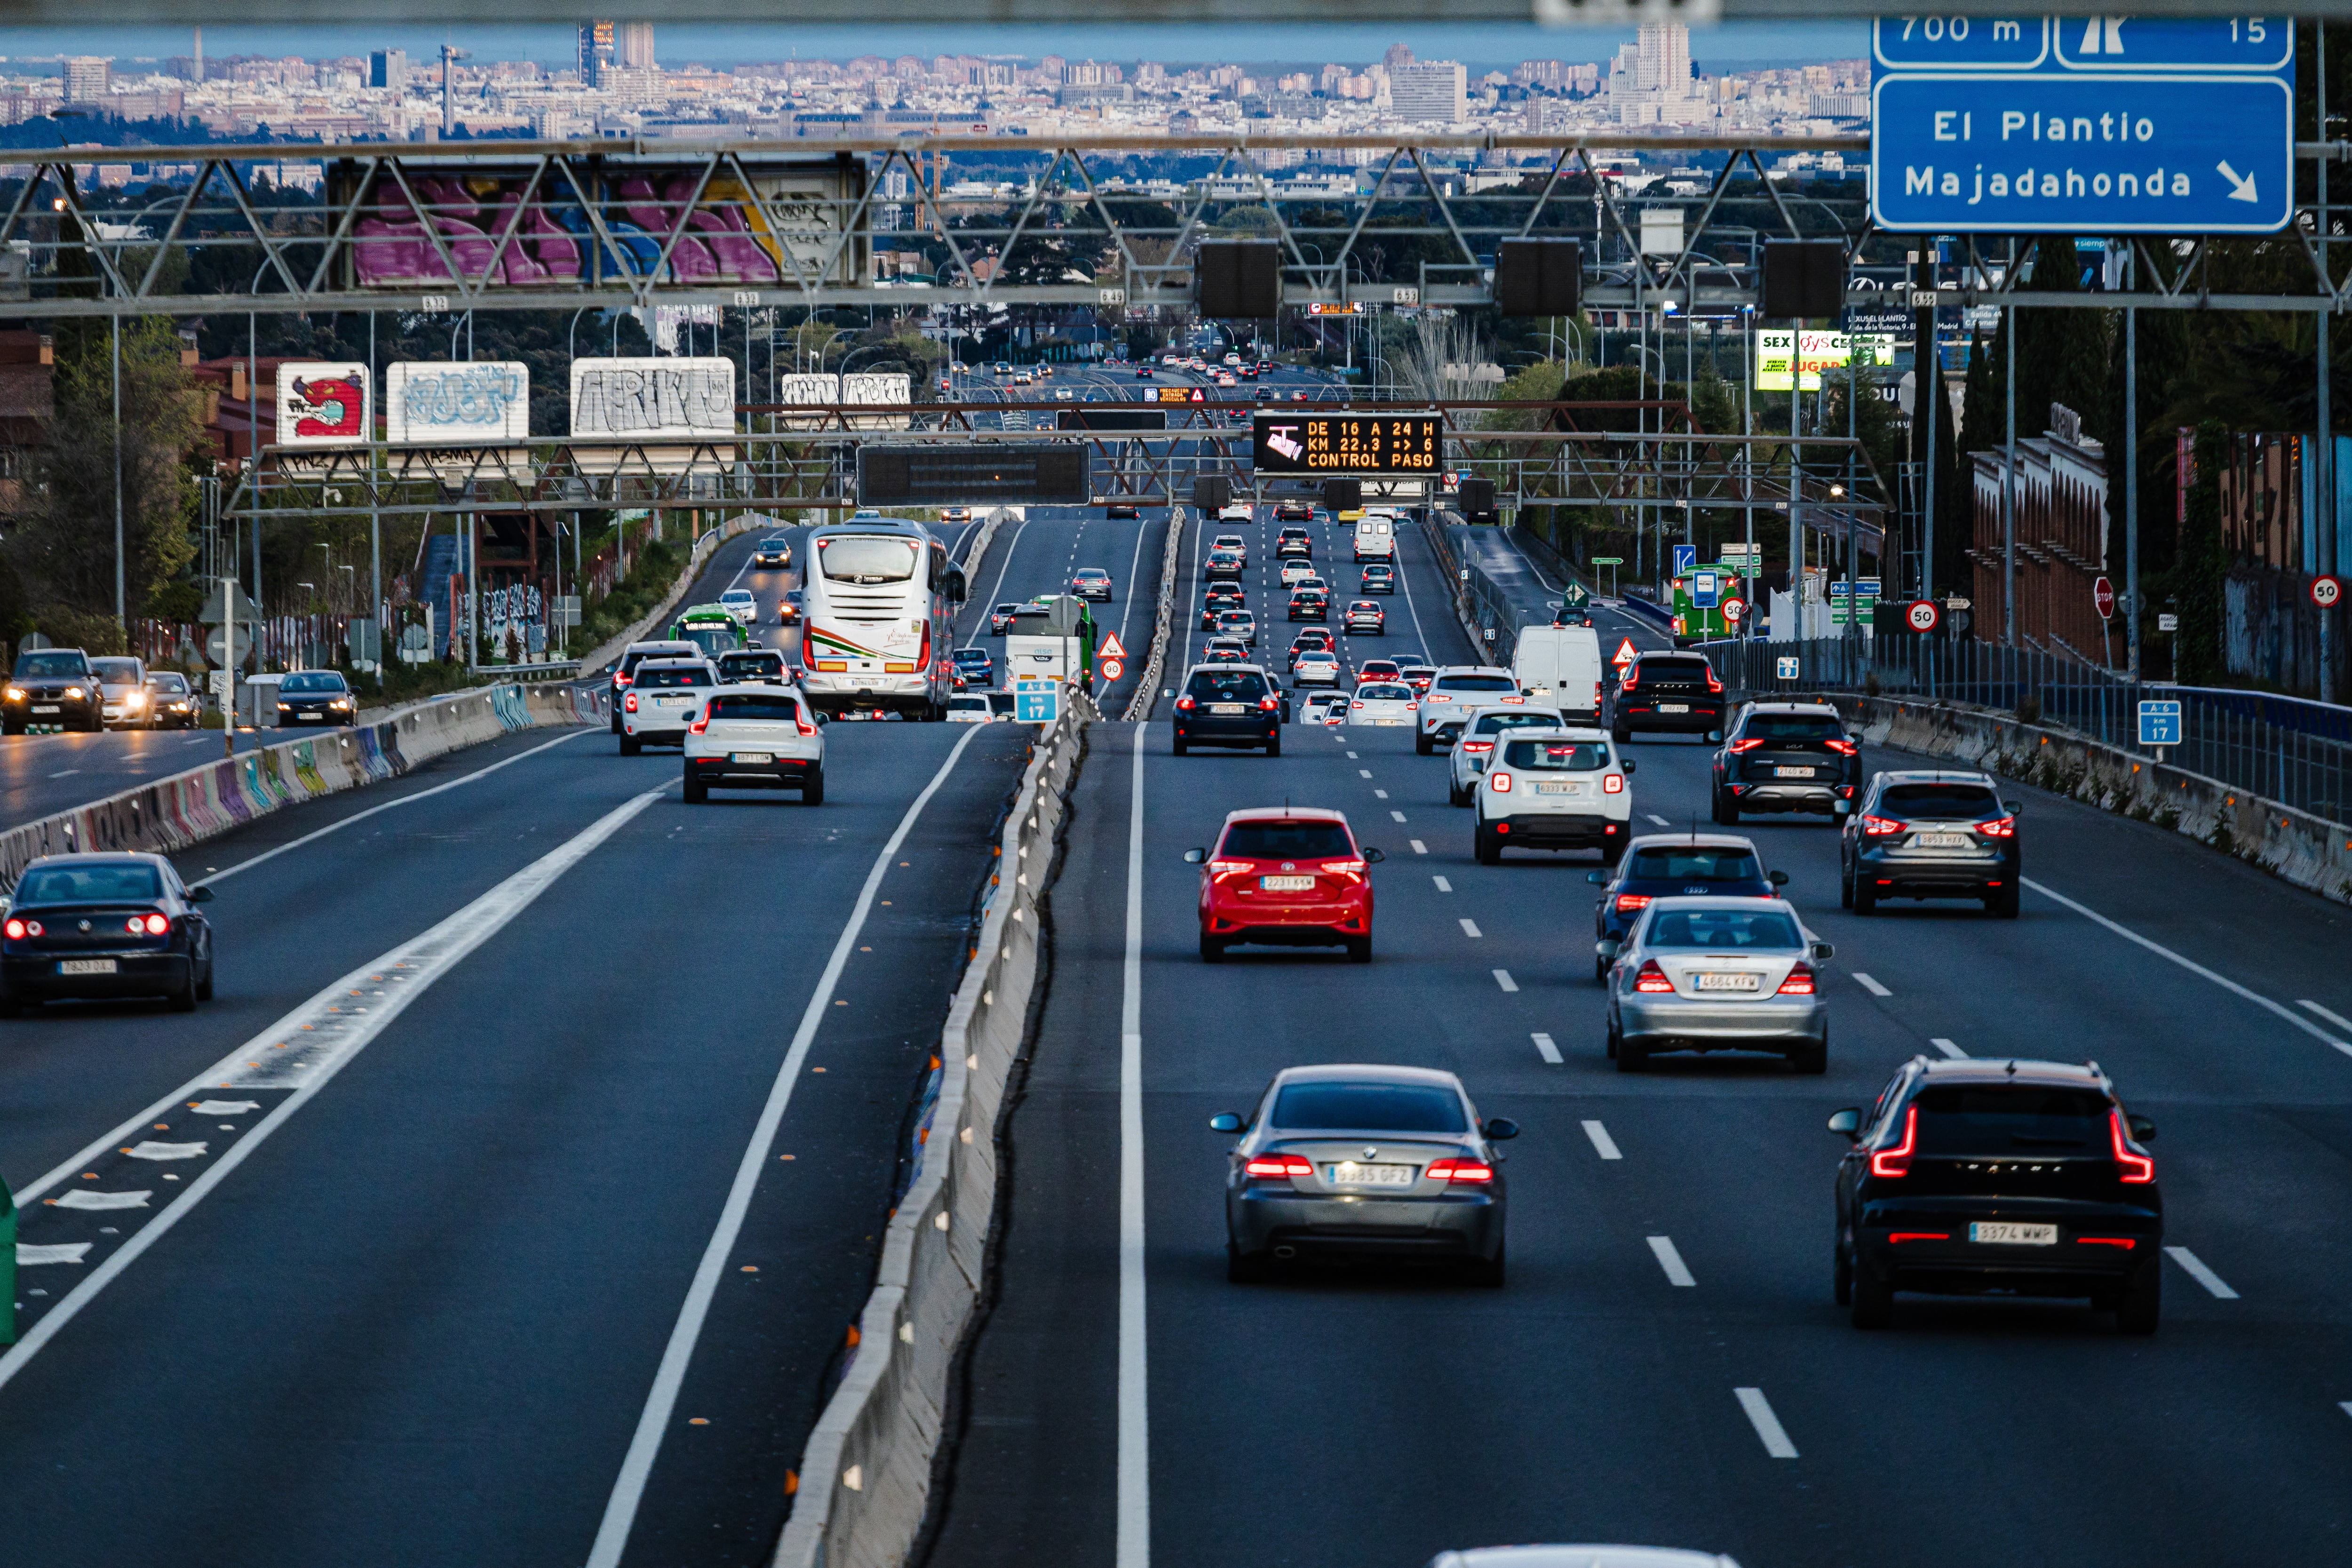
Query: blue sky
point(1728, 46)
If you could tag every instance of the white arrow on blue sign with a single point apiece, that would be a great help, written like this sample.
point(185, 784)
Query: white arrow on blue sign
point(2160, 724)
point(1685, 557)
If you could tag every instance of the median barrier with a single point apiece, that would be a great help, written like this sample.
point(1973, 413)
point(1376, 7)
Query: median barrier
point(865, 1472)
point(1163, 623)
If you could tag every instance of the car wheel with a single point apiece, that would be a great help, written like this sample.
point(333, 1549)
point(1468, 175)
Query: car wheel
point(1359, 949)
point(184, 1000)
point(11, 1007)
point(1812, 1058)
point(1865, 896)
point(1178, 746)
point(1618, 732)
point(1420, 743)
point(1456, 794)
point(1487, 845)
point(697, 792)
point(1840, 1277)
point(13, 728)
point(631, 745)
point(2002, 905)
point(205, 986)
point(1872, 1303)
point(1609, 1042)
point(1600, 977)
point(1212, 949)
point(1631, 1057)
point(616, 724)
point(813, 788)
point(1246, 1267)
point(2143, 1301)
point(1274, 747)
point(1489, 1272)
point(1846, 890)
point(1727, 808)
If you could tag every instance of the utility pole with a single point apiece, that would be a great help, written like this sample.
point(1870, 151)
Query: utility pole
point(2131, 476)
point(375, 516)
point(1928, 371)
point(120, 619)
point(2325, 489)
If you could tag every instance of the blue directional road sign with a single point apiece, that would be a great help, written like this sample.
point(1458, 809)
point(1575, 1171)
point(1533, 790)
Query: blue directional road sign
point(1786, 663)
point(1685, 557)
point(2160, 724)
point(2083, 124)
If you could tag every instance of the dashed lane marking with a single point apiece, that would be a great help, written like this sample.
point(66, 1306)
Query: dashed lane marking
point(1380, 794)
point(1364, 772)
point(1677, 1271)
point(1768, 1425)
point(1399, 816)
point(1470, 928)
point(1872, 987)
point(1545, 1048)
point(2214, 1284)
point(1660, 821)
point(1443, 885)
point(1418, 847)
point(1602, 1145)
point(1503, 978)
point(1949, 1050)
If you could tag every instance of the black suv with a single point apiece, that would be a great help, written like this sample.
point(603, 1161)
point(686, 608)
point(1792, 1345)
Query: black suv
point(52, 686)
point(1931, 834)
point(1785, 756)
point(1973, 1177)
point(1678, 692)
point(1229, 705)
point(1221, 597)
point(1668, 866)
point(1293, 541)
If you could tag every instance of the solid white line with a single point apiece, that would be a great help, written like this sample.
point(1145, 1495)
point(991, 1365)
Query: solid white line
point(1411, 609)
point(2338, 1019)
point(428, 956)
point(1443, 885)
point(1503, 978)
point(661, 1399)
point(2344, 1405)
point(1677, 1271)
point(1470, 928)
point(1418, 847)
point(1132, 1544)
point(1602, 1145)
point(2190, 964)
point(224, 874)
point(68, 773)
point(1872, 987)
point(2202, 1275)
point(1768, 1425)
point(1134, 565)
point(1949, 1050)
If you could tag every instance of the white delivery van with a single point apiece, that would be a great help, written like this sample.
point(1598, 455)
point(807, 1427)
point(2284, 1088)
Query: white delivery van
point(1561, 664)
point(1376, 536)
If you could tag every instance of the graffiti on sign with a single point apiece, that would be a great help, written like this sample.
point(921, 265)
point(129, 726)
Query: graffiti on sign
point(321, 404)
point(647, 398)
point(457, 403)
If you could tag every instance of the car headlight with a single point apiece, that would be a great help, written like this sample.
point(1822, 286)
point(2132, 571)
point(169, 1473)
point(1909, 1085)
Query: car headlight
point(16, 694)
point(134, 699)
point(340, 702)
point(75, 691)
point(286, 707)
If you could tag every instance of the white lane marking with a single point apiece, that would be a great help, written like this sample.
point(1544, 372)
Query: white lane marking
point(1443, 885)
point(2212, 1282)
point(1602, 1145)
point(2190, 964)
point(2338, 1019)
point(1400, 816)
point(1012, 544)
point(1351, 757)
point(450, 941)
point(1380, 794)
point(68, 773)
point(1949, 1050)
point(1364, 772)
point(1677, 1271)
point(661, 1400)
point(1470, 928)
point(226, 872)
point(1418, 847)
point(225, 1107)
point(83, 1198)
point(1132, 1540)
point(1872, 987)
point(1660, 821)
point(1768, 1425)
point(1412, 609)
point(1545, 1047)
point(2344, 1405)
point(1503, 978)
point(29, 1255)
point(149, 1149)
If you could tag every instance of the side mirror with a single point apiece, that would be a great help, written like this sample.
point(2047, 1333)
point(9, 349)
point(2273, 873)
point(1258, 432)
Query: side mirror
point(1777, 878)
point(1500, 1128)
point(1823, 951)
point(1194, 856)
point(200, 895)
point(2014, 807)
point(1842, 808)
point(1225, 1122)
point(1373, 856)
point(1626, 765)
point(1597, 879)
point(2143, 1131)
point(1848, 1121)
point(823, 718)
point(1609, 947)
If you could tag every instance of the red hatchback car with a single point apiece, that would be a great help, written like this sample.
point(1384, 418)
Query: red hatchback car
point(1285, 877)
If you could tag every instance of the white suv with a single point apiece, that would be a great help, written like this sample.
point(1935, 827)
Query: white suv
point(663, 701)
point(1476, 741)
point(1455, 692)
point(1554, 789)
point(755, 737)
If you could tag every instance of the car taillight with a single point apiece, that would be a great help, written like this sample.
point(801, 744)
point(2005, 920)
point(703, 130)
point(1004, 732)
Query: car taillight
point(801, 723)
point(1881, 826)
point(1221, 869)
point(1351, 869)
point(1998, 828)
point(1501, 781)
point(1712, 683)
point(1896, 1161)
point(700, 724)
point(630, 702)
point(1276, 1167)
point(1459, 1171)
point(1628, 902)
point(15, 930)
point(1477, 748)
point(1355, 704)
point(2132, 1167)
point(1613, 784)
point(1844, 748)
point(1799, 983)
point(625, 680)
point(1653, 980)
point(1184, 704)
point(1738, 746)
point(1632, 673)
point(1268, 704)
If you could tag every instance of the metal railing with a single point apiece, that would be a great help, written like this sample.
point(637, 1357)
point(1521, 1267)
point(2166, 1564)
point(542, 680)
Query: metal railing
point(2290, 750)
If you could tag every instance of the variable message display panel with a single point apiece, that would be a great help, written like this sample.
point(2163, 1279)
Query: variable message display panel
point(1344, 444)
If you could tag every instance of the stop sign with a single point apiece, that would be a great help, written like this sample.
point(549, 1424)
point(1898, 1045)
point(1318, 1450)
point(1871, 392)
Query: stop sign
point(2103, 595)
point(1921, 615)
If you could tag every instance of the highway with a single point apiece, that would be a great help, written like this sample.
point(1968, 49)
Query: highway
point(1666, 1364)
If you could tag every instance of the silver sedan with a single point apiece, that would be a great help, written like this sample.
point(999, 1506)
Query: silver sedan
point(1371, 1161)
point(1719, 974)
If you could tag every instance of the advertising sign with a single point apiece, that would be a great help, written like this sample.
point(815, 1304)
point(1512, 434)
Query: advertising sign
point(1338, 445)
point(469, 405)
point(653, 399)
point(323, 404)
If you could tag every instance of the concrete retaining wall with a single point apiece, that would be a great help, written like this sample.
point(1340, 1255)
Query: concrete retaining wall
point(2294, 846)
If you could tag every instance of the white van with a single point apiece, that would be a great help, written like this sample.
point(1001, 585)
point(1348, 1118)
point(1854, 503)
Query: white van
point(1561, 664)
point(1376, 536)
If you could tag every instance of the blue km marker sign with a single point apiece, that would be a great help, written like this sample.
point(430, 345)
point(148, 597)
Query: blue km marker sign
point(2160, 724)
point(2101, 125)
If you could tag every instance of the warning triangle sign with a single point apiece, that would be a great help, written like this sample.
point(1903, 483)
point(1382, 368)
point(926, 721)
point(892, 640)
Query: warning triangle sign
point(1111, 647)
point(1624, 654)
point(1199, 396)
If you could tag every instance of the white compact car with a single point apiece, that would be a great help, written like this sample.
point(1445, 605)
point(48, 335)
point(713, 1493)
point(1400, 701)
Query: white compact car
point(666, 698)
point(755, 737)
point(1385, 703)
point(1295, 571)
point(1455, 692)
point(1315, 667)
point(971, 708)
point(1324, 708)
point(1554, 789)
point(738, 602)
point(1477, 742)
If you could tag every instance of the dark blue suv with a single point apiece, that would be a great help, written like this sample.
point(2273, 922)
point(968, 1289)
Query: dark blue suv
point(1669, 865)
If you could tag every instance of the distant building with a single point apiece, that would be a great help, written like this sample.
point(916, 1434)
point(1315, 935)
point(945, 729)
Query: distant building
point(595, 52)
point(87, 79)
point(636, 47)
point(389, 68)
point(2061, 491)
point(1430, 90)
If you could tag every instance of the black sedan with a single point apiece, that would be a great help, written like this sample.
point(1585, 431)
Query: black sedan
point(104, 926)
point(52, 686)
point(314, 697)
point(172, 702)
point(1785, 756)
point(1676, 692)
point(1669, 865)
point(1931, 834)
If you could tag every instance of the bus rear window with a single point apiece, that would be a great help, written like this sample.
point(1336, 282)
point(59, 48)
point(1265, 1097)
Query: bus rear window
point(849, 558)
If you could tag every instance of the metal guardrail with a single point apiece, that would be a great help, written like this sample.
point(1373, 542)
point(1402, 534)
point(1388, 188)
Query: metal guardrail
point(2290, 750)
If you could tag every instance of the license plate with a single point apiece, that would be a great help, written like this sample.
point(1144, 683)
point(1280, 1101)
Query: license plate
point(1674, 707)
point(39, 707)
point(674, 701)
point(1353, 1174)
point(752, 756)
point(85, 966)
point(1544, 788)
point(1287, 884)
point(1942, 841)
point(2008, 1232)
point(1227, 708)
point(1792, 773)
point(1731, 981)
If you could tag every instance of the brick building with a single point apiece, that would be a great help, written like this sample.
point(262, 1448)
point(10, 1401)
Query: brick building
point(2061, 542)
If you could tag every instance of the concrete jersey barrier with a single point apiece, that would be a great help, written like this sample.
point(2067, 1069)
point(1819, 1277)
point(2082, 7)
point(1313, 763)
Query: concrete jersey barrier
point(1146, 685)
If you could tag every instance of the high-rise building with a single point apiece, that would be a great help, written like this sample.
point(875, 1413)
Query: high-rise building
point(636, 47)
point(1661, 60)
point(1398, 55)
point(595, 52)
point(87, 78)
point(1430, 90)
point(388, 67)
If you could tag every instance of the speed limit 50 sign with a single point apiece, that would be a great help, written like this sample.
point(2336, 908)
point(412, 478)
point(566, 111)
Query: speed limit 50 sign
point(1921, 615)
point(2326, 591)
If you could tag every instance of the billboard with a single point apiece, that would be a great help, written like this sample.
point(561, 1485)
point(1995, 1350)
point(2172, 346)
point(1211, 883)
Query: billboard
point(894, 388)
point(322, 404)
point(611, 218)
point(469, 404)
point(653, 399)
point(1341, 445)
point(1787, 357)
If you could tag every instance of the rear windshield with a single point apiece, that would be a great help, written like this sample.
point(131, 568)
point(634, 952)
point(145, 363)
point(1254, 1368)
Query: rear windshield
point(1001, 703)
point(637, 655)
point(87, 884)
point(1516, 719)
point(1225, 685)
point(675, 675)
point(1939, 800)
point(1696, 862)
point(1793, 727)
point(773, 544)
point(312, 680)
point(1370, 1106)
point(852, 558)
point(1997, 1119)
point(781, 709)
point(116, 669)
point(1675, 669)
point(1385, 692)
point(45, 666)
point(1479, 683)
point(1724, 930)
point(976, 704)
point(1556, 756)
point(1287, 840)
point(735, 664)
